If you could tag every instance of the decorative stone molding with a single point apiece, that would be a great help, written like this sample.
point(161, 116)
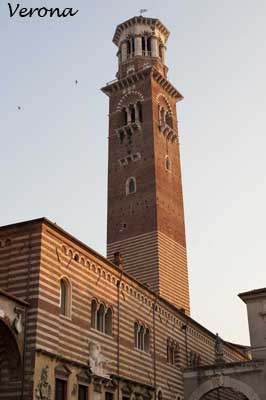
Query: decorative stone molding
point(43, 390)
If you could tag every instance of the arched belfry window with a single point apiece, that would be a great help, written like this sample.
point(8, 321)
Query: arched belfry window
point(139, 109)
point(169, 119)
point(146, 45)
point(65, 297)
point(132, 113)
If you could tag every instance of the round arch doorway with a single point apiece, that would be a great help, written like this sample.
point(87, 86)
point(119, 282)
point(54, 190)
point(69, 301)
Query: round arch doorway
point(10, 365)
point(224, 388)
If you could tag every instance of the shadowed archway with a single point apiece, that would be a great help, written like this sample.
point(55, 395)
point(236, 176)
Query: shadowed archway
point(10, 365)
point(224, 388)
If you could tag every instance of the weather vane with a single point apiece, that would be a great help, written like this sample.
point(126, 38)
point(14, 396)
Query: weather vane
point(142, 11)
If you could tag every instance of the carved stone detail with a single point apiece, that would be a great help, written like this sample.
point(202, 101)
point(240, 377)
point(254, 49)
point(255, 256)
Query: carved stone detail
point(97, 362)
point(43, 390)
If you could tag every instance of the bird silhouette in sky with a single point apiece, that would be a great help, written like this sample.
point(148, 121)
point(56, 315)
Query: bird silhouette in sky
point(76, 82)
point(19, 108)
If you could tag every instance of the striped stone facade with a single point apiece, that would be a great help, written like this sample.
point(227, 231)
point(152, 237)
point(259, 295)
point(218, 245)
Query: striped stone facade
point(39, 256)
point(157, 261)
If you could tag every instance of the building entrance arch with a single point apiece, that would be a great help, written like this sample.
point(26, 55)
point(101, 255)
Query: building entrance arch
point(10, 364)
point(224, 382)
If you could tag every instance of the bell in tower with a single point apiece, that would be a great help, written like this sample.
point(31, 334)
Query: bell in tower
point(145, 201)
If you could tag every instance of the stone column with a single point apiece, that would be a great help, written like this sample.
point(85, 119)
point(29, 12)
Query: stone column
point(128, 115)
point(154, 46)
point(138, 45)
point(136, 112)
point(123, 51)
point(163, 50)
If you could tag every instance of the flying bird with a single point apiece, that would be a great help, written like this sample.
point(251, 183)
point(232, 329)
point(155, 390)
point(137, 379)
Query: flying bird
point(76, 82)
point(19, 108)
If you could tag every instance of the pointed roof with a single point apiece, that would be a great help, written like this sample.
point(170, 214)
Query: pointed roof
point(153, 22)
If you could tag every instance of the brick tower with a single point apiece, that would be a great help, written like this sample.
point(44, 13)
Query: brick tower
point(145, 201)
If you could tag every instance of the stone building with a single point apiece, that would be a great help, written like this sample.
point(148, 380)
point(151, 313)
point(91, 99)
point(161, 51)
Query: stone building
point(242, 380)
point(77, 325)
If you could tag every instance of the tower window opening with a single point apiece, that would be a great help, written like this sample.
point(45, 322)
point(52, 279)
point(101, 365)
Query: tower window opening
point(130, 47)
point(149, 45)
point(132, 113)
point(131, 186)
point(143, 44)
point(139, 108)
point(169, 119)
point(124, 116)
point(167, 163)
point(146, 45)
point(121, 137)
point(162, 115)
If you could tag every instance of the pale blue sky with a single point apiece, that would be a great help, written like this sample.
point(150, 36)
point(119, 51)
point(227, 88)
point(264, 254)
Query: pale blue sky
point(53, 154)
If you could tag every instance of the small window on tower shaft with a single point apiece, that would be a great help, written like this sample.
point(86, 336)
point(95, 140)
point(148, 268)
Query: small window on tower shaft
point(131, 186)
point(167, 163)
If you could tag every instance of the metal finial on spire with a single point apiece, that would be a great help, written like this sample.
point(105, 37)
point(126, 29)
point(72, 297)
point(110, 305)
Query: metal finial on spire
point(142, 11)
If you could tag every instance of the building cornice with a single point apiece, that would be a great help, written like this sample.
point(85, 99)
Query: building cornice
point(120, 84)
point(153, 22)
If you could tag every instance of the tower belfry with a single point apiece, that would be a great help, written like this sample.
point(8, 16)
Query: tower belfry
point(145, 201)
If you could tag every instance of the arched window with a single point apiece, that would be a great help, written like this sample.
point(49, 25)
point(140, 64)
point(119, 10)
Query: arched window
point(128, 49)
point(65, 297)
point(108, 322)
point(100, 318)
point(167, 163)
point(132, 113)
point(141, 338)
point(169, 119)
point(94, 313)
point(139, 108)
point(143, 44)
point(147, 340)
point(160, 395)
point(131, 186)
point(149, 45)
point(162, 115)
point(124, 116)
point(136, 330)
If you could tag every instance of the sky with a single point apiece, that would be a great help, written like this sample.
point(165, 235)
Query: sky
point(53, 153)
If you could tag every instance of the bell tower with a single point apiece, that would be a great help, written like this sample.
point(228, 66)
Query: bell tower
point(145, 201)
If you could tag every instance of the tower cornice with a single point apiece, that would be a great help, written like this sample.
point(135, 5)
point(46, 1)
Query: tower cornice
point(153, 22)
point(119, 84)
